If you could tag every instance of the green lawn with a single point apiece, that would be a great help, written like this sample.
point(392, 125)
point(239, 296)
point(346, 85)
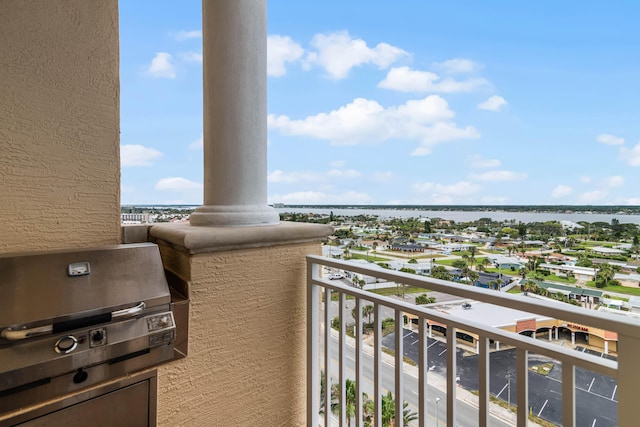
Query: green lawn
point(448, 262)
point(554, 278)
point(619, 289)
point(372, 258)
point(395, 291)
point(492, 251)
point(505, 271)
point(514, 290)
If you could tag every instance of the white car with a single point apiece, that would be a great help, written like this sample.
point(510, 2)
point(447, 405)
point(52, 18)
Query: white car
point(335, 276)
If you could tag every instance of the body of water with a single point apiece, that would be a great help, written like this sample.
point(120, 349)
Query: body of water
point(465, 216)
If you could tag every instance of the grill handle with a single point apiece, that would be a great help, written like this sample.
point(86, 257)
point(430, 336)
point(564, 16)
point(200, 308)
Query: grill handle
point(20, 334)
point(128, 312)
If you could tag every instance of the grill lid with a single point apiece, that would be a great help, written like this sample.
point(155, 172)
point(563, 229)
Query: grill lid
point(53, 287)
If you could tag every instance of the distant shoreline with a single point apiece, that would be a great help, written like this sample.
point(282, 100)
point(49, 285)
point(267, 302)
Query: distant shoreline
point(566, 209)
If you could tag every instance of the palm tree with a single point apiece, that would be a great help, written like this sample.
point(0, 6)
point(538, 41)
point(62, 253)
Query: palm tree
point(473, 276)
point(485, 262)
point(473, 250)
point(350, 399)
point(606, 273)
point(389, 411)
point(367, 311)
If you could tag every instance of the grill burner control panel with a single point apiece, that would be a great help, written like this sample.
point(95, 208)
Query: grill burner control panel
point(159, 327)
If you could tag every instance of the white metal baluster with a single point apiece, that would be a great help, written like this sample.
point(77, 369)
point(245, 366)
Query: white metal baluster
point(522, 377)
point(628, 379)
point(399, 335)
point(313, 326)
point(327, 357)
point(483, 382)
point(452, 369)
point(359, 388)
point(377, 366)
point(342, 299)
point(568, 394)
point(422, 372)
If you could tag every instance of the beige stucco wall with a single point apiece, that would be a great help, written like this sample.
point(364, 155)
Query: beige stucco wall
point(246, 362)
point(59, 124)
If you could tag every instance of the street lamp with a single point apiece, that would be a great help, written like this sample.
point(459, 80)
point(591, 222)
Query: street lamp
point(437, 417)
point(509, 389)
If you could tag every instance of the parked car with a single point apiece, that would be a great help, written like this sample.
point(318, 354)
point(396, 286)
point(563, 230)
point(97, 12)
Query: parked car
point(335, 276)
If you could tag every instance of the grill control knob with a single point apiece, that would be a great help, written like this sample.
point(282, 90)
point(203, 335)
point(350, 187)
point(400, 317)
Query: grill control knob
point(80, 376)
point(97, 337)
point(66, 344)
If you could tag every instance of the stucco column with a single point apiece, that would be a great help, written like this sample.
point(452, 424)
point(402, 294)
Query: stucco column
point(234, 39)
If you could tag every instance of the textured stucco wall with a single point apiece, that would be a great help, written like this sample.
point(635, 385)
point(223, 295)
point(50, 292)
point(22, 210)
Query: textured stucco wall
point(59, 124)
point(247, 342)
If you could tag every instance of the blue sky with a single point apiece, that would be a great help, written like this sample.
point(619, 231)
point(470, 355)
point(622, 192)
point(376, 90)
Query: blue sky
point(405, 102)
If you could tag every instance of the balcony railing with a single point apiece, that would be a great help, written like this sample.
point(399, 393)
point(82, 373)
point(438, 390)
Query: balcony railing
point(320, 292)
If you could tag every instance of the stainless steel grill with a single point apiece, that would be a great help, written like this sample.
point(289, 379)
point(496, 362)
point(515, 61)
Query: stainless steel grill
point(70, 319)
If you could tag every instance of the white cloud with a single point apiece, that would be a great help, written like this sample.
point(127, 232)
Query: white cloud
point(632, 201)
point(495, 200)
point(478, 161)
point(383, 177)
point(177, 184)
point(338, 53)
point(592, 196)
point(462, 188)
point(280, 177)
point(338, 163)
point(191, 57)
point(422, 187)
point(585, 179)
point(441, 199)
point(186, 35)
point(319, 197)
point(197, 144)
point(404, 79)
point(561, 191)
point(366, 121)
point(494, 103)
point(498, 176)
point(343, 173)
point(138, 155)
point(281, 50)
point(610, 139)
point(458, 65)
point(614, 181)
point(631, 155)
point(162, 66)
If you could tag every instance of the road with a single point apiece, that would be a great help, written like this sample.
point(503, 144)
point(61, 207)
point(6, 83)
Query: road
point(467, 415)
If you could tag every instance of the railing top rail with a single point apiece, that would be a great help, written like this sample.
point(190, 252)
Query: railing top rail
point(611, 322)
point(585, 360)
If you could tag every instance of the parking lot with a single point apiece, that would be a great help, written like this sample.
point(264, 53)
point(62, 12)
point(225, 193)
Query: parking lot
point(596, 402)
